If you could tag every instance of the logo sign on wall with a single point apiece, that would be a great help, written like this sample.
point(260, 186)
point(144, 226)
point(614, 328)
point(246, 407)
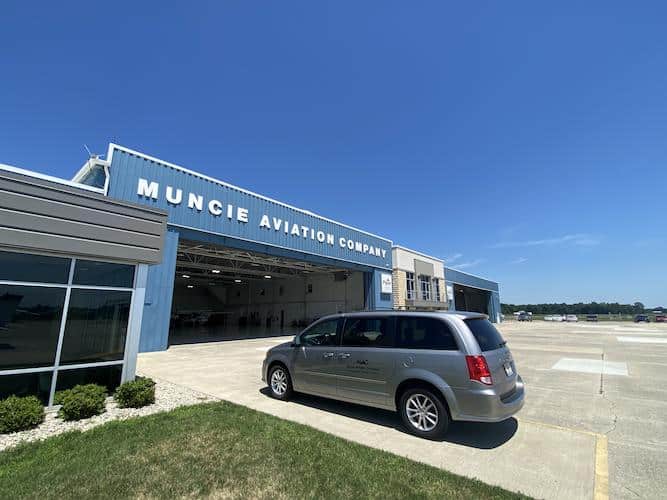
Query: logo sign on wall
point(196, 203)
point(386, 283)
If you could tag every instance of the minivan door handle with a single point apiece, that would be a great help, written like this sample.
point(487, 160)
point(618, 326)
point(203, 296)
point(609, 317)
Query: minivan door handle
point(344, 355)
point(328, 355)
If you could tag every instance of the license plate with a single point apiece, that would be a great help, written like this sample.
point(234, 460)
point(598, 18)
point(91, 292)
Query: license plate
point(508, 369)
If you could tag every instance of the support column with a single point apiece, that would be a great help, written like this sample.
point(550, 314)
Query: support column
point(375, 299)
point(158, 299)
point(134, 324)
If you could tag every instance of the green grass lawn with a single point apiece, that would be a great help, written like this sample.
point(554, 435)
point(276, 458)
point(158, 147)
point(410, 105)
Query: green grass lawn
point(219, 450)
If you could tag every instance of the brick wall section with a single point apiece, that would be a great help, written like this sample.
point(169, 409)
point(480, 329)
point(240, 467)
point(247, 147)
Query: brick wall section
point(443, 293)
point(398, 288)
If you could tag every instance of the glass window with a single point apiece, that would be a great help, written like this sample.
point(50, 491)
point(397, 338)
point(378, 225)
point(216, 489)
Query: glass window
point(424, 333)
point(96, 176)
point(106, 376)
point(88, 272)
point(96, 326)
point(436, 285)
point(486, 334)
point(29, 325)
point(367, 332)
point(34, 268)
point(425, 287)
point(26, 384)
point(324, 333)
point(410, 283)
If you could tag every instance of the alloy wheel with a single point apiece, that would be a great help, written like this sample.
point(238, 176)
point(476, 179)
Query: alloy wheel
point(422, 412)
point(279, 382)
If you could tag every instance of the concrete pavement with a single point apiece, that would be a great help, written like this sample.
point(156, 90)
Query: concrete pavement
point(595, 429)
point(537, 456)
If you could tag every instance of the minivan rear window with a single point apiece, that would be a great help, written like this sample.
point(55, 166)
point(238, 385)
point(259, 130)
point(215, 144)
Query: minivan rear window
point(485, 334)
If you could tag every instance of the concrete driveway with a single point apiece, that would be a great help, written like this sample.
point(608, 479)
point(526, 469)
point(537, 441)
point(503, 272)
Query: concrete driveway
point(544, 460)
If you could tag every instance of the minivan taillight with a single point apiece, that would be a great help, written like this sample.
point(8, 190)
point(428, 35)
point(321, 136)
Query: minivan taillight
point(478, 369)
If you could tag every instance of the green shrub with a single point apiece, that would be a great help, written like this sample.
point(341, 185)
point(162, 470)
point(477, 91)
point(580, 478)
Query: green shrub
point(19, 414)
point(136, 393)
point(81, 401)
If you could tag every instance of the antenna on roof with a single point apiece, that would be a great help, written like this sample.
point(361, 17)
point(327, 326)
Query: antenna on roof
point(90, 155)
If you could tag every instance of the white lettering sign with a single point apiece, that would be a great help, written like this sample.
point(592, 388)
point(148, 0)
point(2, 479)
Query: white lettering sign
point(174, 196)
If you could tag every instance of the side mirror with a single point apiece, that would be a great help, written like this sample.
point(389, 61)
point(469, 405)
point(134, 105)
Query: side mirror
point(295, 342)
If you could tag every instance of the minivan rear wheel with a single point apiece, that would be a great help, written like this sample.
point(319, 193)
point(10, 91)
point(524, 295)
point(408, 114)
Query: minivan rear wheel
point(423, 413)
point(280, 383)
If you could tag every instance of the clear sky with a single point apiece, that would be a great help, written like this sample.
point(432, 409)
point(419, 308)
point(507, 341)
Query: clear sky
point(522, 141)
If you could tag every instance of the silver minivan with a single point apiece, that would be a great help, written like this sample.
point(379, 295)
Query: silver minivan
point(431, 367)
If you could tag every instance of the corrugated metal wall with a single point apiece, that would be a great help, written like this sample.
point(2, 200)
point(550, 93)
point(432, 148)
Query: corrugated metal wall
point(184, 222)
point(492, 289)
point(158, 299)
point(126, 170)
point(454, 276)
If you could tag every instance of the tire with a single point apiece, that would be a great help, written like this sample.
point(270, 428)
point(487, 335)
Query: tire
point(412, 404)
point(280, 383)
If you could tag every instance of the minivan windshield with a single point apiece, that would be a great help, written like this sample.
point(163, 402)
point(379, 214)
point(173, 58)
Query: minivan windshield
point(485, 334)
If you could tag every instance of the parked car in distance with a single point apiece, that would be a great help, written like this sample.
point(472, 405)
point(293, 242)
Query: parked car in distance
point(571, 318)
point(554, 317)
point(642, 318)
point(430, 367)
point(524, 316)
point(592, 317)
point(661, 318)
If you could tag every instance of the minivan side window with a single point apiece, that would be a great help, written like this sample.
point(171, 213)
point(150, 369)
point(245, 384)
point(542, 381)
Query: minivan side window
point(485, 334)
point(424, 333)
point(366, 332)
point(324, 333)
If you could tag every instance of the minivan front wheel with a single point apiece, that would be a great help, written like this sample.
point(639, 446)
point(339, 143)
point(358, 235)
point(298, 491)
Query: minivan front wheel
point(423, 413)
point(280, 383)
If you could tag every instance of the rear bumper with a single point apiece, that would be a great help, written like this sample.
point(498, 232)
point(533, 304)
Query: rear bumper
point(486, 405)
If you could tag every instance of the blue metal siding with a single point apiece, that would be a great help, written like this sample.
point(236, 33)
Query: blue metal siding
point(491, 287)
point(454, 276)
point(126, 170)
point(494, 307)
point(375, 299)
point(157, 303)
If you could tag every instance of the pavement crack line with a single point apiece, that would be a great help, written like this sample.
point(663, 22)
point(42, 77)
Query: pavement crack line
point(602, 375)
point(612, 405)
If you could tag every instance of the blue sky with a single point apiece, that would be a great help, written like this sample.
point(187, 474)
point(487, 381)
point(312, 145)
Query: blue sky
point(523, 141)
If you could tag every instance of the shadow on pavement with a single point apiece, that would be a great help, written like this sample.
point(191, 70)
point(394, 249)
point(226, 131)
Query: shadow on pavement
point(472, 434)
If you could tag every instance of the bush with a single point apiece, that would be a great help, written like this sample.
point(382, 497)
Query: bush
point(20, 414)
point(81, 401)
point(136, 393)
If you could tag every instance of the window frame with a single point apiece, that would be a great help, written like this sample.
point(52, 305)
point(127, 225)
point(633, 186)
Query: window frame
point(447, 324)
point(425, 287)
point(390, 332)
point(410, 285)
point(56, 367)
point(339, 333)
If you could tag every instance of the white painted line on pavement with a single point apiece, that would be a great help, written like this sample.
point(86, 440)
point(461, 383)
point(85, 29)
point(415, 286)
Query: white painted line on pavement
point(591, 366)
point(642, 340)
point(625, 329)
point(643, 332)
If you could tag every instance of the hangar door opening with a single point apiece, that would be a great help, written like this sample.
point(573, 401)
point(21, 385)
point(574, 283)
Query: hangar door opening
point(223, 293)
point(471, 299)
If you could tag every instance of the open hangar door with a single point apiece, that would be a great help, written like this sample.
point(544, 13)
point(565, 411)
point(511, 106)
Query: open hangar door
point(223, 293)
point(471, 299)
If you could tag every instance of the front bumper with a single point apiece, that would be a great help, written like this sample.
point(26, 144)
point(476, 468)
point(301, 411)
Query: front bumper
point(486, 405)
point(264, 370)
